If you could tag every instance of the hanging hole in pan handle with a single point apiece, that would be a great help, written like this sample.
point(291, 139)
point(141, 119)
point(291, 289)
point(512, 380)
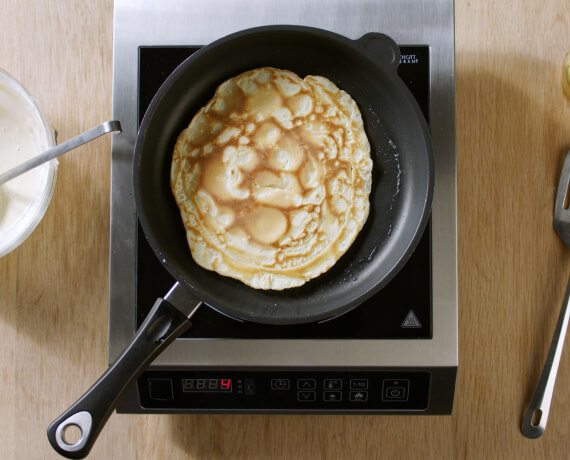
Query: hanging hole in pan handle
point(381, 47)
point(72, 434)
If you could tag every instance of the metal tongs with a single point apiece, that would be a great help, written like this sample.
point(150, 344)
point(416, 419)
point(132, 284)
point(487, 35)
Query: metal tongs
point(534, 421)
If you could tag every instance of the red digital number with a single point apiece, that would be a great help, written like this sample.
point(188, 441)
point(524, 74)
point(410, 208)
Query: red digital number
point(226, 384)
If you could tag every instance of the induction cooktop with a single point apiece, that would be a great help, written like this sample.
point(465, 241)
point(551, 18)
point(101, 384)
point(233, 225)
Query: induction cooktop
point(397, 352)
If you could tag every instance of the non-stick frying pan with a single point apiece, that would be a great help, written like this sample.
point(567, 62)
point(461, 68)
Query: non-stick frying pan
point(400, 200)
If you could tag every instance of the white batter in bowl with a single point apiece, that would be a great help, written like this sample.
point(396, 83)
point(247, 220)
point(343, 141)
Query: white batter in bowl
point(24, 133)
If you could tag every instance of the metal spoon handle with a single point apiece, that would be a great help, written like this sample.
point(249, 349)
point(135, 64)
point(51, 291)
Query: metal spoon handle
point(51, 153)
point(534, 421)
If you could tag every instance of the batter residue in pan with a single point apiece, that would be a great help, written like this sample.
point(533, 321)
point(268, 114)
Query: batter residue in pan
point(272, 178)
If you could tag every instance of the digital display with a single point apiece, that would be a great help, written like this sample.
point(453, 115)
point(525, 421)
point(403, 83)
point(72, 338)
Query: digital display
point(207, 385)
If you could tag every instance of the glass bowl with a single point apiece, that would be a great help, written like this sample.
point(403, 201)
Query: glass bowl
point(24, 133)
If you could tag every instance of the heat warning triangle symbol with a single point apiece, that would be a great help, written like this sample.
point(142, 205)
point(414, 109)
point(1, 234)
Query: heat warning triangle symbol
point(411, 320)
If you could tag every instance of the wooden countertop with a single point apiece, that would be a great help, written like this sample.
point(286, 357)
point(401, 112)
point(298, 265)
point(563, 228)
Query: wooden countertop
point(512, 131)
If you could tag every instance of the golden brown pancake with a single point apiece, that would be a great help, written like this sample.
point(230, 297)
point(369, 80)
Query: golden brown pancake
point(272, 178)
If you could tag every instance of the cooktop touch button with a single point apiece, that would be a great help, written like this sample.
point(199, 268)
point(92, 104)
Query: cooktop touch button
point(332, 384)
point(395, 390)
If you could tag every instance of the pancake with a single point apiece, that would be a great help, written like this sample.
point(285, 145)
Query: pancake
point(272, 178)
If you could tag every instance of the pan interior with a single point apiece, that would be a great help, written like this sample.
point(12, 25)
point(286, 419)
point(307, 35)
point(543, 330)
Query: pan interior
point(402, 173)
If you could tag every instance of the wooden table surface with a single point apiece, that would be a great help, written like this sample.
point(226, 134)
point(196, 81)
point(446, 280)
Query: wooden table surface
point(513, 128)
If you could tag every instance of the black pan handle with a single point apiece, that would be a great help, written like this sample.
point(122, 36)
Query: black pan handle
point(162, 325)
point(380, 47)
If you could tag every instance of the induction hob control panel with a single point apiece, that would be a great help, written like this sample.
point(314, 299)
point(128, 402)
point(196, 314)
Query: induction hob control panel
point(284, 391)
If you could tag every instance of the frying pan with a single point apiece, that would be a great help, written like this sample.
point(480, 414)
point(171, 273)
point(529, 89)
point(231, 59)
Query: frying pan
point(402, 189)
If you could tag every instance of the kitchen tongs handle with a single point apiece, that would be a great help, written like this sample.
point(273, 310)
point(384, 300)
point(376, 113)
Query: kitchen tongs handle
point(534, 421)
point(162, 325)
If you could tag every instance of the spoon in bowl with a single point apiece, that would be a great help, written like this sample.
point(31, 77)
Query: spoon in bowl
point(53, 152)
